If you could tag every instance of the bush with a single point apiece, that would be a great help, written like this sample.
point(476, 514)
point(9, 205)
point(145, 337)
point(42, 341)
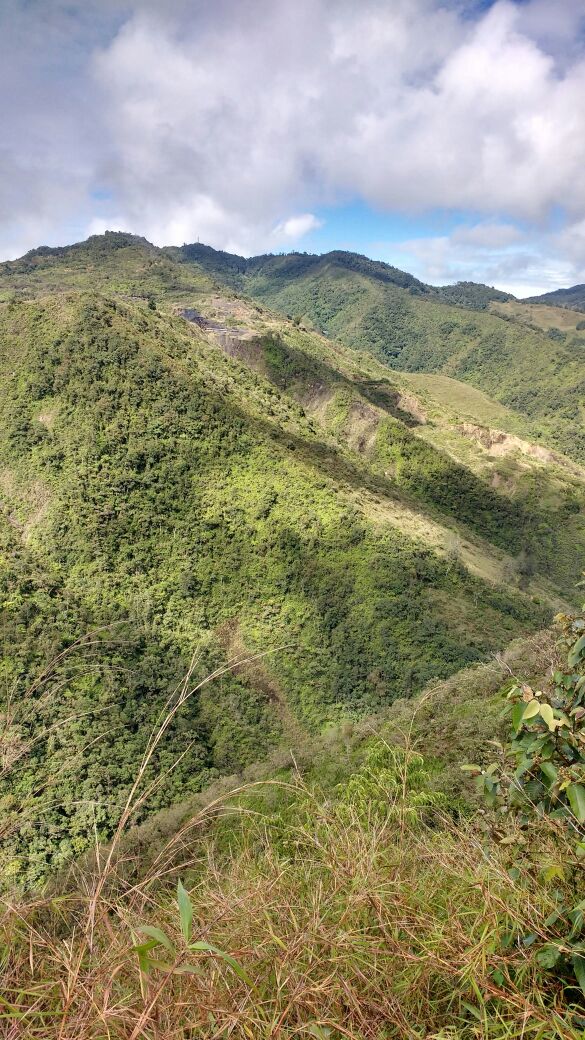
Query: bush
point(540, 782)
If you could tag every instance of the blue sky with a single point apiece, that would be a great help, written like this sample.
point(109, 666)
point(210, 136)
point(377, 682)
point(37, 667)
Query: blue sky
point(444, 136)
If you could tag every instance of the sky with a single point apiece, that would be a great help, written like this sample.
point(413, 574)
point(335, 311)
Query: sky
point(446, 137)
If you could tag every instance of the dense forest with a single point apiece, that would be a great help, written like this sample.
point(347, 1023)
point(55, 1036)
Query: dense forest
point(268, 579)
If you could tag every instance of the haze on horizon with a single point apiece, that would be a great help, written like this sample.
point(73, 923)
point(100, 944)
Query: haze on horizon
point(445, 138)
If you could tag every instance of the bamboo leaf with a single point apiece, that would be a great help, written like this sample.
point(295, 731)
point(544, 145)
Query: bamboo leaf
point(578, 962)
point(159, 936)
point(205, 947)
point(185, 911)
point(576, 796)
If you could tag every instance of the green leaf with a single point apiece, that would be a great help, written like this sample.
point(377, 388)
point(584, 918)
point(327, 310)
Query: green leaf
point(576, 652)
point(176, 969)
point(531, 709)
point(472, 1010)
point(576, 917)
point(516, 716)
point(548, 956)
point(554, 870)
point(185, 911)
point(159, 936)
point(548, 715)
point(143, 951)
point(549, 772)
point(205, 947)
point(576, 796)
point(578, 962)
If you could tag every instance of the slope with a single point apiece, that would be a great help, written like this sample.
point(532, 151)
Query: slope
point(159, 495)
point(370, 306)
point(572, 298)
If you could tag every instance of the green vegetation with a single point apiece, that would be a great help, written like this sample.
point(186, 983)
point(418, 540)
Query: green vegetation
point(116, 262)
point(254, 592)
point(573, 298)
point(350, 893)
point(541, 781)
point(148, 504)
point(473, 295)
point(415, 328)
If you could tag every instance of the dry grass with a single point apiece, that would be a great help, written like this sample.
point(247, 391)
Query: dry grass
point(540, 315)
point(362, 911)
point(341, 925)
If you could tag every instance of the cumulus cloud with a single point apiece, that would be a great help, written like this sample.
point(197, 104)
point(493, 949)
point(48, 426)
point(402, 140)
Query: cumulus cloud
point(296, 227)
point(194, 120)
point(524, 263)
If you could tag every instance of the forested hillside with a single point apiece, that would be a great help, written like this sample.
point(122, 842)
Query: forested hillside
point(413, 327)
point(261, 598)
point(573, 298)
point(227, 488)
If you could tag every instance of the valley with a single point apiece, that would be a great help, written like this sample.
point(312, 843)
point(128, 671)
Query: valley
point(259, 543)
point(176, 458)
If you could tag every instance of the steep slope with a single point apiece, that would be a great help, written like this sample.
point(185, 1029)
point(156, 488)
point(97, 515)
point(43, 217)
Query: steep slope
point(405, 323)
point(160, 497)
point(354, 400)
point(189, 473)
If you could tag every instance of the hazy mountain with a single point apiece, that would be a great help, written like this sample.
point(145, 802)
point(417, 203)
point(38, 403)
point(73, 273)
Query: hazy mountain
point(573, 298)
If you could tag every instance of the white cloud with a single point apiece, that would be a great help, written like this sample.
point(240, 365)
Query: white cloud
point(488, 235)
point(499, 255)
point(296, 227)
point(210, 121)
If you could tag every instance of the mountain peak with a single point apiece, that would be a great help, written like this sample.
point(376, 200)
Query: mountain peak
point(108, 240)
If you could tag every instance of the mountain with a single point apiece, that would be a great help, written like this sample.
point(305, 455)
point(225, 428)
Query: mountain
point(573, 298)
point(413, 327)
point(238, 271)
point(188, 480)
point(262, 594)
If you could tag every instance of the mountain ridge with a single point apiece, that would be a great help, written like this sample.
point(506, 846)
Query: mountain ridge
point(163, 480)
point(488, 342)
point(573, 298)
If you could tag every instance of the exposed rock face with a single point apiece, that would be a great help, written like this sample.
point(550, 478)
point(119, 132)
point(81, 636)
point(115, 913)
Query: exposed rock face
point(361, 426)
point(496, 442)
point(412, 406)
point(236, 342)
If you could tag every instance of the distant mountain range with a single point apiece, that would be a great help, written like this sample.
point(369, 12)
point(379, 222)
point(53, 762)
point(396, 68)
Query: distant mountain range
point(573, 298)
point(238, 271)
point(503, 346)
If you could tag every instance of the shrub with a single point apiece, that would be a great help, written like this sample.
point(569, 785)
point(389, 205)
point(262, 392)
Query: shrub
point(540, 781)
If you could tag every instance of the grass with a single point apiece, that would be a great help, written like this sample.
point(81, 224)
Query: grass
point(449, 400)
point(536, 374)
point(540, 315)
point(319, 918)
point(350, 895)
